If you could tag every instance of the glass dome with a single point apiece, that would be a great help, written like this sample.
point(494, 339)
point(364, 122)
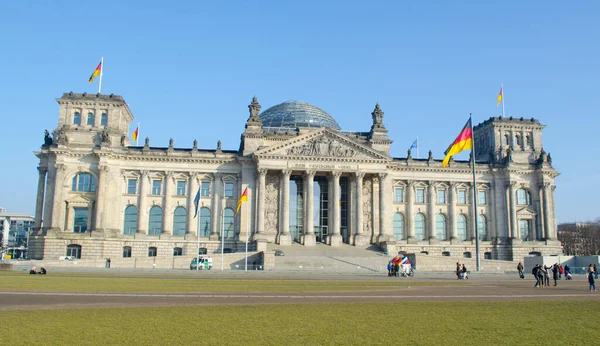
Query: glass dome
point(292, 114)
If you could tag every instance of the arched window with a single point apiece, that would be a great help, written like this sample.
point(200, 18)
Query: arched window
point(523, 197)
point(506, 139)
point(204, 222)
point(518, 140)
point(84, 182)
point(482, 227)
point(179, 222)
point(440, 227)
point(461, 226)
point(131, 220)
point(228, 223)
point(104, 119)
point(77, 118)
point(398, 226)
point(528, 141)
point(74, 250)
point(155, 221)
point(419, 226)
point(91, 119)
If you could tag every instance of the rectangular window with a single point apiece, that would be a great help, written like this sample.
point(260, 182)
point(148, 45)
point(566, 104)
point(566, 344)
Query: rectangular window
point(156, 187)
point(91, 119)
point(177, 251)
point(482, 197)
point(420, 196)
point(205, 188)
point(441, 196)
point(399, 195)
point(104, 119)
point(77, 118)
point(151, 252)
point(80, 220)
point(181, 188)
point(228, 189)
point(462, 196)
point(132, 186)
point(126, 251)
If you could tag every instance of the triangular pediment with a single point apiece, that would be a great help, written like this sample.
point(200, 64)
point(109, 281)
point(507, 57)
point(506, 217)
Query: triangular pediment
point(322, 143)
point(526, 212)
point(79, 199)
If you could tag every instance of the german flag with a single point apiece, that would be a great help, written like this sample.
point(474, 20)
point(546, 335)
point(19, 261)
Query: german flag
point(464, 141)
point(134, 136)
point(97, 72)
point(243, 198)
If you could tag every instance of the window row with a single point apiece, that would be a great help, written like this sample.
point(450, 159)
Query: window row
point(441, 227)
point(181, 188)
point(442, 196)
point(155, 221)
point(518, 140)
point(90, 119)
point(74, 250)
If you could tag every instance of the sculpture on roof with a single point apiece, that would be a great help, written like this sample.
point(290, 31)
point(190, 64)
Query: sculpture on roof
point(47, 138)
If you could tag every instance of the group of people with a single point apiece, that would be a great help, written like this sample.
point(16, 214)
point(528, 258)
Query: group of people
point(34, 270)
point(542, 274)
point(461, 272)
point(399, 266)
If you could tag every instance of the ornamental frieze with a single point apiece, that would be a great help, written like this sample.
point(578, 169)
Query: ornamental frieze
point(322, 146)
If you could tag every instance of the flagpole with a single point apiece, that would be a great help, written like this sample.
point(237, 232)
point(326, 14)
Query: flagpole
point(101, 68)
point(502, 89)
point(417, 147)
point(247, 227)
point(477, 260)
point(138, 135)
point(198, 239)
point(222, 235)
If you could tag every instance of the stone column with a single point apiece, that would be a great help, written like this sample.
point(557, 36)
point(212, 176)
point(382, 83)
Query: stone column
point(359, 238)
point(385, 234)
point(168, 204)
point(49, 198)
point(285, 238)
point(410, 205)
point(100, 198)
point(143, 212)
point(541, 216)
point(548, 231)
point(470, 220)
point(452, 212)
point(39, 204)
point(431, 212)
point(192, 227)
point(259, 235)
point(335, 237)
point(217, 208)
point(309, 227)
point(58, 203)
point(512, 210)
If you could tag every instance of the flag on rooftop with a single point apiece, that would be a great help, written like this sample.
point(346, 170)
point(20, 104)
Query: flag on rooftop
point(97, 72)
point(464, 141)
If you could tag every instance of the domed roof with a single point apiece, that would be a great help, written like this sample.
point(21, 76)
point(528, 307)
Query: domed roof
point(292, 114)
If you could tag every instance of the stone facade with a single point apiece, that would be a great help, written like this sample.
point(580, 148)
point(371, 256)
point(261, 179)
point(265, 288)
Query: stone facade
point(99, 196)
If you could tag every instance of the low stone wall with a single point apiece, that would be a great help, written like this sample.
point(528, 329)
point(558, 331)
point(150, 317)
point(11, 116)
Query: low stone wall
point(5, 266)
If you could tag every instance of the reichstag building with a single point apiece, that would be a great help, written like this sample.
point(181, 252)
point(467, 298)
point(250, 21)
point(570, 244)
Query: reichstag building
point(308, 182)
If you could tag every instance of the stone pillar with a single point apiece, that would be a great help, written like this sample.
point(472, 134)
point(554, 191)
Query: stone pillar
point(217, 208)
point(58, 203)
point(471, 218)
point(541, 216)
point(168, 204)
point(309, 227)
point(359, 238)
point(512, 210)
point(410, 205)
point(259, 235)
point(100, 198)
point(143, 212)
point(385, 229)
point(285, 238)
point(192, 227)
point(452, 213)
point(335, 237)
point(431, 212)
point(39, 204)
point(548, 231)
point(48, 200)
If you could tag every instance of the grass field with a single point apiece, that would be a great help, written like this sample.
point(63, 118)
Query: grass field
point(86, 282)
point(510, 323)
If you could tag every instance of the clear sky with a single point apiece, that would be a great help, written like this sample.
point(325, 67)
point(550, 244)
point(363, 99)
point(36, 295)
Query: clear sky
point(188, 70)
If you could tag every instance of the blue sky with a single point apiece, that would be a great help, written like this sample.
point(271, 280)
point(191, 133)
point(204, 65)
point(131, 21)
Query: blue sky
point(189, 69)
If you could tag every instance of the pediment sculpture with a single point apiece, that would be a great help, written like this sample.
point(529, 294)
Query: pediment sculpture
point(322, 146)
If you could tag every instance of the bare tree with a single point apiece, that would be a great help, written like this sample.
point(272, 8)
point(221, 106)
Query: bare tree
point(581, 239)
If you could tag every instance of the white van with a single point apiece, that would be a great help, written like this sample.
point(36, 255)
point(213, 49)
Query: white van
point(205, 263)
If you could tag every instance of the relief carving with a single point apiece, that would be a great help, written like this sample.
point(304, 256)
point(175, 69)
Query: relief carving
point(322, 146)
point(271, 203)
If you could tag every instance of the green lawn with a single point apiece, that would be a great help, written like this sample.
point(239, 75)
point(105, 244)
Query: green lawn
point(505, 323)
point(127, 283)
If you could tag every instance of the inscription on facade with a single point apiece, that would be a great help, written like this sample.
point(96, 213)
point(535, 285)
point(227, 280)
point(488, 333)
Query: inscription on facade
point(322, 166)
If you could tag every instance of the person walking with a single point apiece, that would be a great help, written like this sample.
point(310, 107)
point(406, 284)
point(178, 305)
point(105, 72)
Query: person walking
point(560, 271)
point(520, 269)
point(536, 274)
point(546, 276)
point(595, 271)
point(555, 273)
point(465, 272)
point(458, 270)
point(592, 281)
